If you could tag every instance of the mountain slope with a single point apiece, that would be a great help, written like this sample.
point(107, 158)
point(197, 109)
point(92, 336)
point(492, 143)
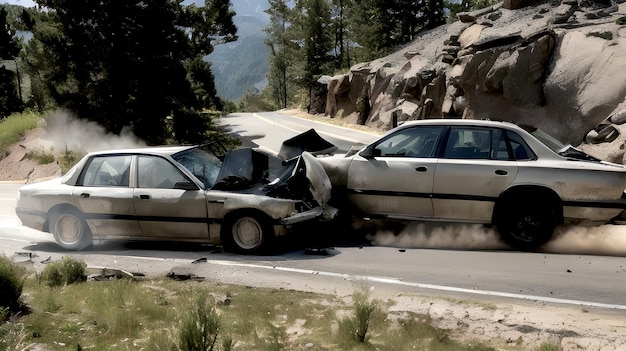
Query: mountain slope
point(242, 65)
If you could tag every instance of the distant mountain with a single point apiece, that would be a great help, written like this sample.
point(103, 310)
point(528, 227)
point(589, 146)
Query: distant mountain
point(243, 65)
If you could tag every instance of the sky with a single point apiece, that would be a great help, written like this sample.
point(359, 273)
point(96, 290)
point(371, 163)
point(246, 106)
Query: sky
point(31, 3)
point(25, 3)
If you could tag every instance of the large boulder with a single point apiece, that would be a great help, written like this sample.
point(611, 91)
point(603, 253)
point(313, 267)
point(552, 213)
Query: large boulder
point(558, 66)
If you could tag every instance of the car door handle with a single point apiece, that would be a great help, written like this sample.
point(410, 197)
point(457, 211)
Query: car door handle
point(501, 172)
point(144, 197)
point(84, 195)
point(422, 169)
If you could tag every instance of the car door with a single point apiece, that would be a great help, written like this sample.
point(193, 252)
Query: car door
point(476, 166)
point(164, 211)
point(105, 198)
point(394, 176)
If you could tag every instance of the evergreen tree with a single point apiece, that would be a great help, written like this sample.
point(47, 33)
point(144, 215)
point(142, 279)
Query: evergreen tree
point(306, 36)
point(278, 43)
point(342, 45)
point(9, 87)
point(317, 43)
point(130, 64)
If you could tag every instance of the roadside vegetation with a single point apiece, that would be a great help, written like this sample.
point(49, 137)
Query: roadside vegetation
point(60, 309)
point(14, 127)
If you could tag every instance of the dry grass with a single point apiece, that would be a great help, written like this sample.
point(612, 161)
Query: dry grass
point(149, 315)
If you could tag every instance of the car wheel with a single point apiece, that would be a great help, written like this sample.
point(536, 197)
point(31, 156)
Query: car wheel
point(70, 230)
point(528, 227)
point(249, 233)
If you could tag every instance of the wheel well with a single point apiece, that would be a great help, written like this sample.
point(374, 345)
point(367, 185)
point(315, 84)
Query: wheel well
point(527, 194)
point(56, 209)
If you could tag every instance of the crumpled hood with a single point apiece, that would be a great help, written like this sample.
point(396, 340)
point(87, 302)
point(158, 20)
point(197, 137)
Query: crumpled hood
point(251, 171)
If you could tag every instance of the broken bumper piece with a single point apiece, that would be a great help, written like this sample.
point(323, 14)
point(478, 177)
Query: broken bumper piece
point(323, 212)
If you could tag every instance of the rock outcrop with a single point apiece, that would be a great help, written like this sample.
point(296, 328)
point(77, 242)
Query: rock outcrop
point(560, 66)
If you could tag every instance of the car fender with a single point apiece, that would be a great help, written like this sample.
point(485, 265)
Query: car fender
point(275, 208)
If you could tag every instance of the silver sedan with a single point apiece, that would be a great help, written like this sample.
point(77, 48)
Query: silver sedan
point(517, 178)
point(180, 193)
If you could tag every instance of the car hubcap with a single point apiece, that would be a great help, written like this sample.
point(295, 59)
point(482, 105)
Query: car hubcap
point(247, 233)
point(527, 227)
point(68, 229)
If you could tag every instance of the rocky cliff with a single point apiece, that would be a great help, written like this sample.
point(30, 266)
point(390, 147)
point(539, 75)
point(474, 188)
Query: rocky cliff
point(560, 66)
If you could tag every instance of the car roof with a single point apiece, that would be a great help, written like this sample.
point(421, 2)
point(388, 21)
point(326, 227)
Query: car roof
point(461, 122)
point(149, 150)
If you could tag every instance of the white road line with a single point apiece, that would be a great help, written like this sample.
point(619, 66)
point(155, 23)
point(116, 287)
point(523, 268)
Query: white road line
point(396, 281)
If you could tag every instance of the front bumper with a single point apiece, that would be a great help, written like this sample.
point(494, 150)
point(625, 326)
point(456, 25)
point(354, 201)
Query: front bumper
point(323, 212)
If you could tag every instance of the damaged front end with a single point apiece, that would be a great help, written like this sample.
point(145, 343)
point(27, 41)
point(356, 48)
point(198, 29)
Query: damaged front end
point(301, 179)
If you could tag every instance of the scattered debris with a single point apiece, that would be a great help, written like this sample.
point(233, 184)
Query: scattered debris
point(316, 251)
point(200, 260)
point(184, 276)
point(103, 273)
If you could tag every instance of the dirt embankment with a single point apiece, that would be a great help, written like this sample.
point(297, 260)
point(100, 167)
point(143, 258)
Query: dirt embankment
point(15, 166)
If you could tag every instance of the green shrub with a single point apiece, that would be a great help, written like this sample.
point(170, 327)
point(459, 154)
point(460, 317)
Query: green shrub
point(355, 328)
point(11, 284)
point(604, 35)
point(200, 327)
point(67, 271)
point(42, 157)
point(68, 160)
point(52, 275)
point(621, 21)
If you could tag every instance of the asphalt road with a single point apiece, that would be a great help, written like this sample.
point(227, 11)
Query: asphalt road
point(581, 267)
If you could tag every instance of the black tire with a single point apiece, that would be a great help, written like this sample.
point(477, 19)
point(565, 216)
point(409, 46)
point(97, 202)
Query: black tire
point(70, 230)
point(248, 232)
point(528, 226)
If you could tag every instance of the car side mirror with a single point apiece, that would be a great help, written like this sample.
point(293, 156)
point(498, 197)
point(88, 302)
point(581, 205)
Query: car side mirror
point(185, 186)
point(370, 152)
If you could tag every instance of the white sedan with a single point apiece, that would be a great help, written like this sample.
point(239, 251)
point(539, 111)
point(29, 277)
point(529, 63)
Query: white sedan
point(517, 178)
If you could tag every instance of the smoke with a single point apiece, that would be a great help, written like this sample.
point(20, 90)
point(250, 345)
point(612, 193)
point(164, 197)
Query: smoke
point(604, 240)
point(441, 236)
point(65, 131)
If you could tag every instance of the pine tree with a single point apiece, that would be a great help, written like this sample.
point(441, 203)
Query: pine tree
point(130, 64)
point(9, 85)
point(279, 44)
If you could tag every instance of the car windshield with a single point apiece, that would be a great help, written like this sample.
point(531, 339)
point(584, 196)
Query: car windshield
point(201, 163)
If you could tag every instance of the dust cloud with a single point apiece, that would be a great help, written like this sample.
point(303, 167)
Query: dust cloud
point(604, 240)
point(63, 131)
point(441, 236)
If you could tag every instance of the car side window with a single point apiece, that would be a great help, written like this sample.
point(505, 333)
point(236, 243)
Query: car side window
point(521, 151)
point(410, 142)
point(476, 143)
point(156, 172)
point(107, 171)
